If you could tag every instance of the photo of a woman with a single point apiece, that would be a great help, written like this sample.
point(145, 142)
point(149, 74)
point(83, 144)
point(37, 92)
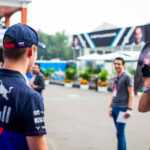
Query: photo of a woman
point(76, 44)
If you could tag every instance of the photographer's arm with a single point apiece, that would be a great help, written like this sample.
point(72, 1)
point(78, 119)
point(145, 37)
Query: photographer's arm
point(144, 103)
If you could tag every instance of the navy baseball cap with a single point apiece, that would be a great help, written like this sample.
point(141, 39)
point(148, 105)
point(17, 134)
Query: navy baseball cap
point(23, 36)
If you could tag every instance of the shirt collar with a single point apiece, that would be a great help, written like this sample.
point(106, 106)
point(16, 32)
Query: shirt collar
point(12, 73)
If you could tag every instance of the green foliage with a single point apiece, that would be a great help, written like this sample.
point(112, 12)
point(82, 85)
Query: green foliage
point(47, 73)
point(103, 75)
point(93, 71)
point(131, 71)
point(89, 70)
point(58, 46)
point(86, 74)
point(52, 70)
point(70, 73)
point(114, 72)
point(97, 70)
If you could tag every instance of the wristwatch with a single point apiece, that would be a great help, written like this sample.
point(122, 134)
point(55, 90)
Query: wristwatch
point(129, 108)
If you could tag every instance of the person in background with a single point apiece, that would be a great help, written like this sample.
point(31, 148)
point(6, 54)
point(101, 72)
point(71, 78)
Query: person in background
point(138, 36)
point(122, 100)
point(37, 81)
point(76, 43)
point(22, 125)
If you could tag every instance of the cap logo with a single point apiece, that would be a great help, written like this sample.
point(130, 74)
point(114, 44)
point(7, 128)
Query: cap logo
point(21, 44)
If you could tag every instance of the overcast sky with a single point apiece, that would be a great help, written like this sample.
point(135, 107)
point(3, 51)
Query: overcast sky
point(82, 16)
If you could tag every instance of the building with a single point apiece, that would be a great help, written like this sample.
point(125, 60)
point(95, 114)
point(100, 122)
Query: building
point(7, 9)
point(108, 38)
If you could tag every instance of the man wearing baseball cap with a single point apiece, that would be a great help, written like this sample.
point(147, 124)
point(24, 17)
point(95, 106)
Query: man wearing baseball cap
point(22, 124)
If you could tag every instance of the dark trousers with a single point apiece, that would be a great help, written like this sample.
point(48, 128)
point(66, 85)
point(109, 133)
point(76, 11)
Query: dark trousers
point(120, 127)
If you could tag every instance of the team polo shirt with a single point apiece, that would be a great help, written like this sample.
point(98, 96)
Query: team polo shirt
point(21, 111)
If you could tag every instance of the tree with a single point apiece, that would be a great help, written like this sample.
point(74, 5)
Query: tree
point(58, 46)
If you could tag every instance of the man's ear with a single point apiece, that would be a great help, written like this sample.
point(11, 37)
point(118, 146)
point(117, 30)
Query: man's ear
point(30, 50)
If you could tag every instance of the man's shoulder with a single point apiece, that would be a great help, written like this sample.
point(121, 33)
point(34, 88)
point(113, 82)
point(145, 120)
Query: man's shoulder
point(17, 90)
point(40, 75)
point(128, 79)
point(32, 93)
point(26, 92)
point(127, 74)
point(29, 95)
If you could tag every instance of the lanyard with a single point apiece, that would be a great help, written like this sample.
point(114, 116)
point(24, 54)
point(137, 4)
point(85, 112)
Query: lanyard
point(116, 82)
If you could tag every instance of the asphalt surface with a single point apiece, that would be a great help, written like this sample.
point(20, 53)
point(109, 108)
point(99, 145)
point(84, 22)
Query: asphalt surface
point(78, 120)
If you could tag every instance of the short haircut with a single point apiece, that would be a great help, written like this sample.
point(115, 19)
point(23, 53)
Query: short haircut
point(37, 64)
point(12, 53)
point(120, 58)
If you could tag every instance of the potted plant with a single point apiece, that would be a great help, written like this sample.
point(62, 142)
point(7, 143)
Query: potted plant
point(102, 84)
point(69, 76)
point(85, 77)
point(131, 71)
point(52, 71)
point(46, 74)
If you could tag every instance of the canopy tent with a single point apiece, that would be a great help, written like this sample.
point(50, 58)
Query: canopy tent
point(106, 60)
point(112, 56)
point(134, 54)
point(107, 57)
point(93, 56)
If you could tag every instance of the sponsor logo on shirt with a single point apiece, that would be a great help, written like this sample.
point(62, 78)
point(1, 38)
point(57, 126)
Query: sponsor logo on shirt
point(43, 127)
point(4, 91)
point(38, 128)
point(37, 112)
point(5, 114)
point(39, 120)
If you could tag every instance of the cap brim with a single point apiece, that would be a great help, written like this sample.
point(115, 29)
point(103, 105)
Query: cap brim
point(41, 45)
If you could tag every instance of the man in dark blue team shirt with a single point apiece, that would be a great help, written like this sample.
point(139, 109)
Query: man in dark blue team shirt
point(22, 124)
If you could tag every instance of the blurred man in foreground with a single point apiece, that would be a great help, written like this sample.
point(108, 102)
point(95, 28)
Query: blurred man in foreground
point(142, 78)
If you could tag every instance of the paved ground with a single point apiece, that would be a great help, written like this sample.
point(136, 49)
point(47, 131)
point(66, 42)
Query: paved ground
point(78, 120)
